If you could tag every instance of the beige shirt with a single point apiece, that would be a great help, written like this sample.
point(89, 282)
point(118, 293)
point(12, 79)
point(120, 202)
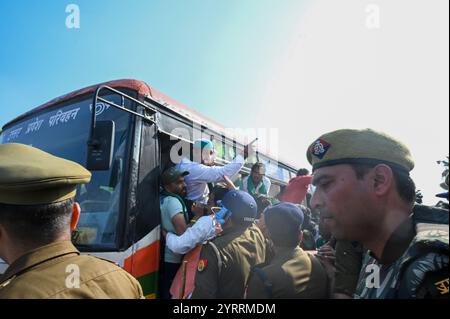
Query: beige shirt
point(59, 271)
point(240, 249)
point(292, 274)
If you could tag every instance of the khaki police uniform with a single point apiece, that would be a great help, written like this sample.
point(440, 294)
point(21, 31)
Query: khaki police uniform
point(29, 176)
point(417, 253)
point(291, 274)
point(59, 271)
point(224, 266)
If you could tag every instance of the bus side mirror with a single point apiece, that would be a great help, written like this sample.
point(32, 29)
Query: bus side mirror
point(116, 172)
point(101, 146)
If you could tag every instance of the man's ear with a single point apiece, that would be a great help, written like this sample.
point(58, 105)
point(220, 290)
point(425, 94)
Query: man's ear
point(383, 179)
point(75, 216)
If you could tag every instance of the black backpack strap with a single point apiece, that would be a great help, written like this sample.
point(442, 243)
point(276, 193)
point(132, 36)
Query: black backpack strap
point(219, 258)
point(219, 261)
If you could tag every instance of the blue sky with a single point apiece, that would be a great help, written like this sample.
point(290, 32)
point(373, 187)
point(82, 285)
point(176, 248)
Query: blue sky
point(203, 53)
point(301, 67)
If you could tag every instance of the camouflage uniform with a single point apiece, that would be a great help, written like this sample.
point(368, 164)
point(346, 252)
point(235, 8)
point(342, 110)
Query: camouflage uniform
point(414, 265)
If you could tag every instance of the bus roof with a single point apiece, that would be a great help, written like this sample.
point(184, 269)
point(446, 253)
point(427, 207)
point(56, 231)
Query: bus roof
point(143, 89)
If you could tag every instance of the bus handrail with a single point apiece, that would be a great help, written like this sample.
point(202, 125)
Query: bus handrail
point(160, 130)
point(122, 107)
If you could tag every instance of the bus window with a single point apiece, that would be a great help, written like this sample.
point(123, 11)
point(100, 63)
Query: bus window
point(283, 174)
point(63, 131)
point(274, 170)
point(274, 190)
point(220, 149)
point(230, 152)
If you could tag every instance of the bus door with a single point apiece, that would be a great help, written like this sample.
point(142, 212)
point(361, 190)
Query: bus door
point(141, 225)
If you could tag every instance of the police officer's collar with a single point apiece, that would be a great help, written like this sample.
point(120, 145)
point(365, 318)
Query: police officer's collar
point(235, 229)
point(398, 242)
point(39, 256)
point(402, 237)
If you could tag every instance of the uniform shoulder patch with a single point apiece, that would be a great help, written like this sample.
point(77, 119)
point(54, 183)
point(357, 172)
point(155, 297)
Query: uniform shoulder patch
point(201, 265)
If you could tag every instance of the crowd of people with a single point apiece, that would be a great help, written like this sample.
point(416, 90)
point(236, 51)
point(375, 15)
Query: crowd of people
point(350, 230)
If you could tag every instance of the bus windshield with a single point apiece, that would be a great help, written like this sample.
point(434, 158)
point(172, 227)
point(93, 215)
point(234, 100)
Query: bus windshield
point(63, 131)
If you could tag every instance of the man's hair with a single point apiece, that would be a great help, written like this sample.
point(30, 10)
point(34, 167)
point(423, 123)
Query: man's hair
point(257, 166)
point(302, 172)
point(36, 224)
point(219, 192)
point(404, 184)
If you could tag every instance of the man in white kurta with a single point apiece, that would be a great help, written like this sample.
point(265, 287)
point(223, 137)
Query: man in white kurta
point(200, 174)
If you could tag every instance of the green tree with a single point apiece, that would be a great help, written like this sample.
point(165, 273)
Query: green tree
point(444, 164)
point(419, 197)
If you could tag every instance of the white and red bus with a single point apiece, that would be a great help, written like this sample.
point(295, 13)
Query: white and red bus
point(126, 144)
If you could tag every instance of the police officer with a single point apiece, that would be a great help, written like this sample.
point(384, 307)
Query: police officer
point(37, 215)
point(225, 262)
point(364, 190)
point(292, 273)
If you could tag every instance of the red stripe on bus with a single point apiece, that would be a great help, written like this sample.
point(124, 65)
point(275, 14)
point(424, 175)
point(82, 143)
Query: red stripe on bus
point(144, 261)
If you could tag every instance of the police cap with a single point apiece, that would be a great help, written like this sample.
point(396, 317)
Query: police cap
point(349, 146)
point(29, 176)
